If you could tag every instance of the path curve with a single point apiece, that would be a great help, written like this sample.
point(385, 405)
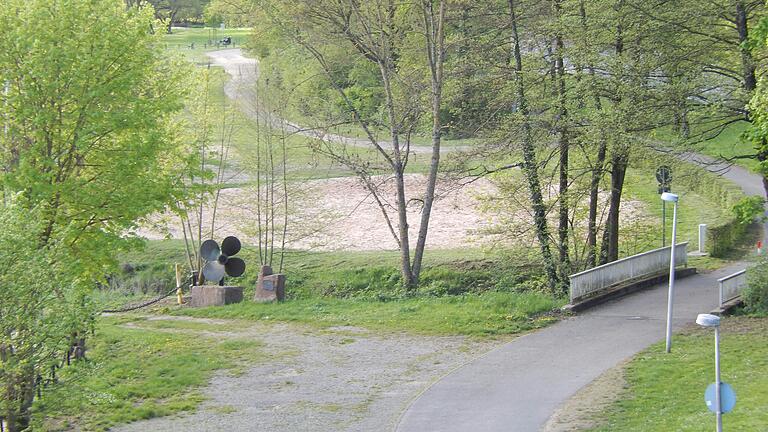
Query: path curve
point(519, 385)
point(244, 72)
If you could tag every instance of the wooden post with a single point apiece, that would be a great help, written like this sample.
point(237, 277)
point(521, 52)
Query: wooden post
point(178, 285)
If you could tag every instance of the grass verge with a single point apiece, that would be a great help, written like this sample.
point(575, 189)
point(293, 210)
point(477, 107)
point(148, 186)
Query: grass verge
point(137, 373)
point(666, 391)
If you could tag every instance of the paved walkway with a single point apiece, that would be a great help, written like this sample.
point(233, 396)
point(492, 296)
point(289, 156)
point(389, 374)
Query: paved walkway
point(518, 386)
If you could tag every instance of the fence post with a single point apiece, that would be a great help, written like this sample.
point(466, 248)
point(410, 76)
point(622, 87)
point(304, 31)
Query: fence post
point(702, 237)
point(720, 293)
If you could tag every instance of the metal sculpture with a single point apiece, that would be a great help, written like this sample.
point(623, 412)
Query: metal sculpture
point(220, 261)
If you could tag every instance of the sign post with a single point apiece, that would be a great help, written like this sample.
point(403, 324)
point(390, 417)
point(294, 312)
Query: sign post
point(719, 396)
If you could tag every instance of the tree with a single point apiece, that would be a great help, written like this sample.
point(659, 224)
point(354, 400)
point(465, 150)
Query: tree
point(89, 148)
point(41, 305)
point(171, 12)
point(401, 49)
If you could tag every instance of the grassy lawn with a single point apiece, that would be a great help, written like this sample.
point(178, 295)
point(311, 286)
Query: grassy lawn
point(488, 314)
point(138, 373)
point(666, 391)
point(467, 292)
point(371, 275)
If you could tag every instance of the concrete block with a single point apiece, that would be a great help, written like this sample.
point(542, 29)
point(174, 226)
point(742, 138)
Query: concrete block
point(212, 295)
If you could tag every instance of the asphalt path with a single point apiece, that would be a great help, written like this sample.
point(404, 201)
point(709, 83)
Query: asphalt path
point(519, 385)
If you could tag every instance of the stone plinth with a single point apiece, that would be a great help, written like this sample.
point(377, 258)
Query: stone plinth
point(270, 287)
point(212, 295)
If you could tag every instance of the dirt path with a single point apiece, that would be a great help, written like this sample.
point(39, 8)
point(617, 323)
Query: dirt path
point(339, 379)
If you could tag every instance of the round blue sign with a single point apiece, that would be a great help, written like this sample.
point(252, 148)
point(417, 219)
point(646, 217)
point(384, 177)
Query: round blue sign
point(727, 398)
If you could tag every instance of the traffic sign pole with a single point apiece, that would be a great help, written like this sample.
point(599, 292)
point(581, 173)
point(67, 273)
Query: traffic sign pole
point(718, 396)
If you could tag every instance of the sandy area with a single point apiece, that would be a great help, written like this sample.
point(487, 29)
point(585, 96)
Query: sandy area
point(340, 214)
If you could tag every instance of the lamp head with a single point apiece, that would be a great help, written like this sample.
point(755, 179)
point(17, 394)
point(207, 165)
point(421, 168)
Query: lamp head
point(708, 320)
point(670, 197)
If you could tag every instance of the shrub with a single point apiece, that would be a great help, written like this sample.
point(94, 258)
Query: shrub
point(755, 294)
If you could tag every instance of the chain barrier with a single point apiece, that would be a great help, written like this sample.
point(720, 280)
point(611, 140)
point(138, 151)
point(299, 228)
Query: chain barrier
point(142, 305)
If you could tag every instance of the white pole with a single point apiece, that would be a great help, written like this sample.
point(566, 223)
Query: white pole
point(671, 294)
point(702, 237)
point(719, 412)
point(720, 294)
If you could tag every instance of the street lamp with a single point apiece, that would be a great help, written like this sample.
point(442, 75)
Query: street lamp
point(708, 320)
point(670, 197)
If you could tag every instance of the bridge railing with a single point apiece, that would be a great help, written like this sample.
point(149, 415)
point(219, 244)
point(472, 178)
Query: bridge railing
point(649, 263)
point(730, 286)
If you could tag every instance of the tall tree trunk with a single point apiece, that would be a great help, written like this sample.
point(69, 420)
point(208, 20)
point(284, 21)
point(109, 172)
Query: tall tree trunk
point(402, 218)
point(610, 247)
point(435, 41)
point(594, 189)
point(564, 145)
point(748, 65)
point(747, 62)
point(399, 172)
point(21, 394)
point(530, 165)
point(609, 250)
point(598, 165)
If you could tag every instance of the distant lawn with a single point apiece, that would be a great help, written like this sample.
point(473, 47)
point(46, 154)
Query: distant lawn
point(138, 373)
point(666, 391)
point(204, 39)
point(729, 144)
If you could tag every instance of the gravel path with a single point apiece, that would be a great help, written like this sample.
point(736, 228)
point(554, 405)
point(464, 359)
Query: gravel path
point(339, 379)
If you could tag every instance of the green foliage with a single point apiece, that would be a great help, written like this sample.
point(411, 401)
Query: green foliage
point(755, 294)
point(664, 391)
point(749, 209)
point(139, 372)
point(93, 130)
point(42, 304)
point(724, 237)
point(758, 105)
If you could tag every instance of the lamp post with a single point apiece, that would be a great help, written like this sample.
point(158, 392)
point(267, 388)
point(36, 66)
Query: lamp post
point(670, 197)
point(708, 320)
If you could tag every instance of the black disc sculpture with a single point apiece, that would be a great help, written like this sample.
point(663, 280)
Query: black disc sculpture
point(220, 261)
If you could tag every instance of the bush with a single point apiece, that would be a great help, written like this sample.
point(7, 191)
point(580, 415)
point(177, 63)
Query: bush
point(755, 294)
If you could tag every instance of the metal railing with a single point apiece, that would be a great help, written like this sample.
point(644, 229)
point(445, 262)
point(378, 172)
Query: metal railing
point(648, 263)
point(730, 286)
